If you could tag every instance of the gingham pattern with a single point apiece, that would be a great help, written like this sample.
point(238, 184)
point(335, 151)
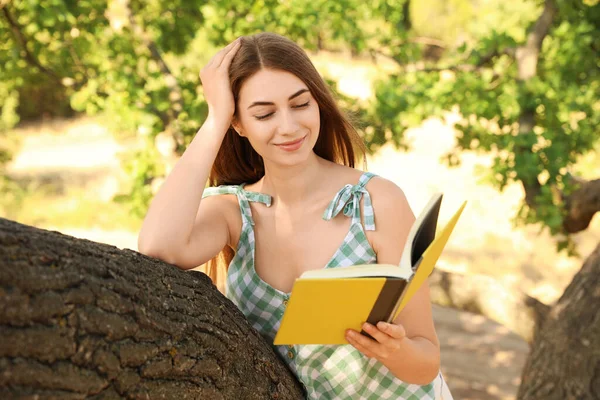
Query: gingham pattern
point(327, 372)
point(348, 199)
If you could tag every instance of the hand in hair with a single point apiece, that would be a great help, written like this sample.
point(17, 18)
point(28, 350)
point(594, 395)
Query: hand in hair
point(215, 81)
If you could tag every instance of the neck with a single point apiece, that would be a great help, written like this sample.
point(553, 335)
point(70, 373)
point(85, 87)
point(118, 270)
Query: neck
point(290, 186)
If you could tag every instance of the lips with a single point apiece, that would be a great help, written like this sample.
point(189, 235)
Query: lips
point(292, 143)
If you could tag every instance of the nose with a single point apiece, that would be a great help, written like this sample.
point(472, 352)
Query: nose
point(287, 124)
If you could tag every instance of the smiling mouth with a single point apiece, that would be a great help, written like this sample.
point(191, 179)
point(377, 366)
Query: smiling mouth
point(291, 143)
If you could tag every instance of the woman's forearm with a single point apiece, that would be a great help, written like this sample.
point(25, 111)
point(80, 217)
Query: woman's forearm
point(419, 363)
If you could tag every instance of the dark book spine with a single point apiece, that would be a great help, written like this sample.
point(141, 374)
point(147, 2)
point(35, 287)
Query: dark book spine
point(386, 302)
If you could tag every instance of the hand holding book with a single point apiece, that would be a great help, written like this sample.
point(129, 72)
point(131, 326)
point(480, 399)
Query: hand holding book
point(387, 340)
point(325, 303)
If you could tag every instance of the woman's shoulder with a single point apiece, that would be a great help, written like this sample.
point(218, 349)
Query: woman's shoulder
point(225, 203)
point(338, 174)
point(387, 197)
point(392, 216)
point(373, 182)
point(384, 189)
point(220, 189)
point(221, 198)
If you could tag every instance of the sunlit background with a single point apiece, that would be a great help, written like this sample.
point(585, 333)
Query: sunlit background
point(69, 151)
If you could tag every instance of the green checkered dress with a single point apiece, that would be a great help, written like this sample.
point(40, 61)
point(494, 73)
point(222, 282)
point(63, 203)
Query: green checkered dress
point(327, 372)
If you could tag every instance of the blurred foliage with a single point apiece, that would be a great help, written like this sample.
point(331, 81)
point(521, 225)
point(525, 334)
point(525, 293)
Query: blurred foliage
point(481, 78)
point(137, 62)
point(44, 204)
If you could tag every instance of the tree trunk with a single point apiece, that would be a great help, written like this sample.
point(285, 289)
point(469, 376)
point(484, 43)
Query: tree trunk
point(564, 362)
point(80, 319)
point(527, 57)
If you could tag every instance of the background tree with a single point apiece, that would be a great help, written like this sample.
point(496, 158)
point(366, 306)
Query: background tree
point(531, 99)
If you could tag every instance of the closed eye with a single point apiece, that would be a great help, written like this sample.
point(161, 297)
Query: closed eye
point(302, 105)
point(261, 117)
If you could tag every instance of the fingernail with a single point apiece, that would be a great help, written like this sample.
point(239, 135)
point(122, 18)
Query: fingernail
point(382, 325)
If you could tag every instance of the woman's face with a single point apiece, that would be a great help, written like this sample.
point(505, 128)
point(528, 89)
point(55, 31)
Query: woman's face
point(279, 116)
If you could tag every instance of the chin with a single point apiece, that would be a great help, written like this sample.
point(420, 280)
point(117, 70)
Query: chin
point(301, 157)
point(296, 159)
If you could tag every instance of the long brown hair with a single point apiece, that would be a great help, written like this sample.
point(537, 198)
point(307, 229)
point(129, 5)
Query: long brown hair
point(236, 160)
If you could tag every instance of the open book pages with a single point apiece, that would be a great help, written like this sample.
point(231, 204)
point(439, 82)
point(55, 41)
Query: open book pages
point(422, 232)
point(360, 271)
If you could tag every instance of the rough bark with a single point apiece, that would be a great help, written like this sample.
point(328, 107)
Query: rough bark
point(564, 362)
point(581, 205)
point(79, 319)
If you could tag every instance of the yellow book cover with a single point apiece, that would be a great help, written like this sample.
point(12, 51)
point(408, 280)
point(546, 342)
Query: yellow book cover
point(324, 303)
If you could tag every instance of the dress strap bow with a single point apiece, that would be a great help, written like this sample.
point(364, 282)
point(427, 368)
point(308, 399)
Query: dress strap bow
point(348, 200)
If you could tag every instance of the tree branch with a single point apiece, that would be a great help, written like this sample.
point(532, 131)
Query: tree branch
point(80, 319)
point(527, 55)
point(534, 42)
point(462, 66)
point(406, 22)
point(527, 59)
point(22, 40)
point(175, 95)
point(581, 205)
point(542, 26)
point(428, 41)
point(485, 296)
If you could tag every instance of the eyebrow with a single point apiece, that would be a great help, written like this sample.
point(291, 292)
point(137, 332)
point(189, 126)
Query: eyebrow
point(268, 103)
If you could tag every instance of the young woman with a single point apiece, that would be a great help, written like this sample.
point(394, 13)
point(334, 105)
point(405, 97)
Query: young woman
point(284, 197)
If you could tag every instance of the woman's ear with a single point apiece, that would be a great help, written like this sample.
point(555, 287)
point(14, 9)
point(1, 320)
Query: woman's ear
point(236, 125)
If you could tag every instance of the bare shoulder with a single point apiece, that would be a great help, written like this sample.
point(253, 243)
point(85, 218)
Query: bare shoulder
point(339, 175)
point(388, 198)
point(393, 219)
point(228, 207)
point(225, 203)
point(386, 191)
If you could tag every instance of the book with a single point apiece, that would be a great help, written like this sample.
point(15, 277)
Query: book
point(324, 303)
